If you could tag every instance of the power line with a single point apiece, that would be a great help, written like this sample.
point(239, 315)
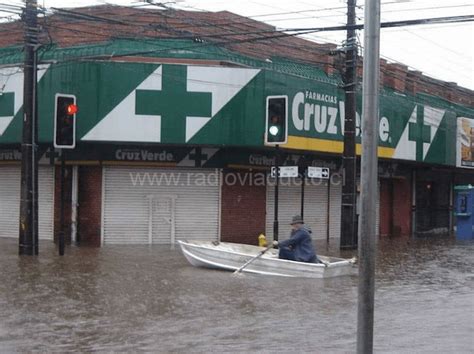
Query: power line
point(392, 60)
point(334, 15)
point(412, 10)
point(181, 35)
point(387, 73)
point(390, 24)
point(223, 36)
point(411, 32)
point(384, 71)
point(449, 63)
point(193, 35)
point(324, 9)
point(450, 19)
point(429, 8)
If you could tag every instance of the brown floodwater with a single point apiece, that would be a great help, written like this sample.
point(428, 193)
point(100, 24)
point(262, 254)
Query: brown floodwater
point(147, 298)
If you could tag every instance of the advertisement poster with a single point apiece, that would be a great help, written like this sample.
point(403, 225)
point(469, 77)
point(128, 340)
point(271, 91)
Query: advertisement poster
point(465, 143)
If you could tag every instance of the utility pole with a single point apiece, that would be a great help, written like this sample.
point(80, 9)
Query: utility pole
point(370, 116)
point(28, 238)
point(349, 159)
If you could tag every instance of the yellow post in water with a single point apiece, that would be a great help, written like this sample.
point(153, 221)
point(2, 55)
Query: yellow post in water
point(262, 241)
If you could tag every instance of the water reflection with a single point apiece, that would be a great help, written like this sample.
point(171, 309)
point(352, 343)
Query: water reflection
point(129, 298)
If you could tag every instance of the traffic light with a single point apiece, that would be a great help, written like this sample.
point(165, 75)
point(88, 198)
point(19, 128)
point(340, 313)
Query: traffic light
point(276, 127)
point(65, 121)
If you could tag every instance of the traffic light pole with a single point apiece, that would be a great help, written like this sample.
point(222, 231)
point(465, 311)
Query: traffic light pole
point(64, 139)
point(302, 167)
point(61, 241)
point(34, 152)
point(276, 132)
point(277, 175)
point(348, 206)
point(303, 182)
point(28, 208)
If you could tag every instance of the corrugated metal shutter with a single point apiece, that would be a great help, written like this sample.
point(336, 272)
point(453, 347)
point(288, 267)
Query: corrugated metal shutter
point(335, 210)
point(10, 201)
point(46, 202)
point(149, 205)
point(377, 211)
point(316, 205)
point(289, 204)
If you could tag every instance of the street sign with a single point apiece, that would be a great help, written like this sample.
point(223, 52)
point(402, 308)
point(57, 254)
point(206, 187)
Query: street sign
point(286, 171)
point(318, 172)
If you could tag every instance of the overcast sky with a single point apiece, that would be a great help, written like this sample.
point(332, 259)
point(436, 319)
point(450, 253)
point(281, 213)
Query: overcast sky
point(443, 51)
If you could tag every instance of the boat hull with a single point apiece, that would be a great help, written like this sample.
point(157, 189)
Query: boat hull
point(231, 256)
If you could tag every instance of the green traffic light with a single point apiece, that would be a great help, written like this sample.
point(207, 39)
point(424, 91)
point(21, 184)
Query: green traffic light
point(274, 130)
point(276, 124)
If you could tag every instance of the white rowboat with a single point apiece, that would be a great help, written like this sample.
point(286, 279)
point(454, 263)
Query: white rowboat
point(231, 256)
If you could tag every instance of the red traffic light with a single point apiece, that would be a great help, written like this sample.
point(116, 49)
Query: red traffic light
point(65, 121)
point(72, 109)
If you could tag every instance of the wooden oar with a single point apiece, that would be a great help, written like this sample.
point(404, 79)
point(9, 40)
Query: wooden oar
point(326, 264)
point(260, 254)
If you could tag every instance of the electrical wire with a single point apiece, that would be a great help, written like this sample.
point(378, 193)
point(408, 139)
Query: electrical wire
point(122, 22)
point(425, 88)
point(327, 9)
point(193, 36)
point(333, 15)
point(403, 23)
point(215, 25)
point(220, 36)
point(405, 78)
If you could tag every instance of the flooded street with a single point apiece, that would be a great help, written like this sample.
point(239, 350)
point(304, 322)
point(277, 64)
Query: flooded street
point(140, 298)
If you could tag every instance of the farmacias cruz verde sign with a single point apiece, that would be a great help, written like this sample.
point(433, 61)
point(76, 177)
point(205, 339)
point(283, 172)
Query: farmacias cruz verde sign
point(212, 105)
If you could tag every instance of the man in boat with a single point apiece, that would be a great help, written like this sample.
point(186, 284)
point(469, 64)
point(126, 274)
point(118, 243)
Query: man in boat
point(299, 247)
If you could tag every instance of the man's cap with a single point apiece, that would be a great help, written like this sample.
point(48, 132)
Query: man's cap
point(297, 219)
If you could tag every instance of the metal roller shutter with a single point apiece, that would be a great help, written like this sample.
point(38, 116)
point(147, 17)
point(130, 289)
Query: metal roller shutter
point(10, 201)
point(377, 211)
point(289, 196)
point(159, 205)
point(316, 208)
point(46, 202)
point(335, 210)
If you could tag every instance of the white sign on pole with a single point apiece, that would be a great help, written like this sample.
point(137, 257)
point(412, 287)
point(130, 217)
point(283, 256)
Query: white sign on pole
point(318, 172)
point(286, 171)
